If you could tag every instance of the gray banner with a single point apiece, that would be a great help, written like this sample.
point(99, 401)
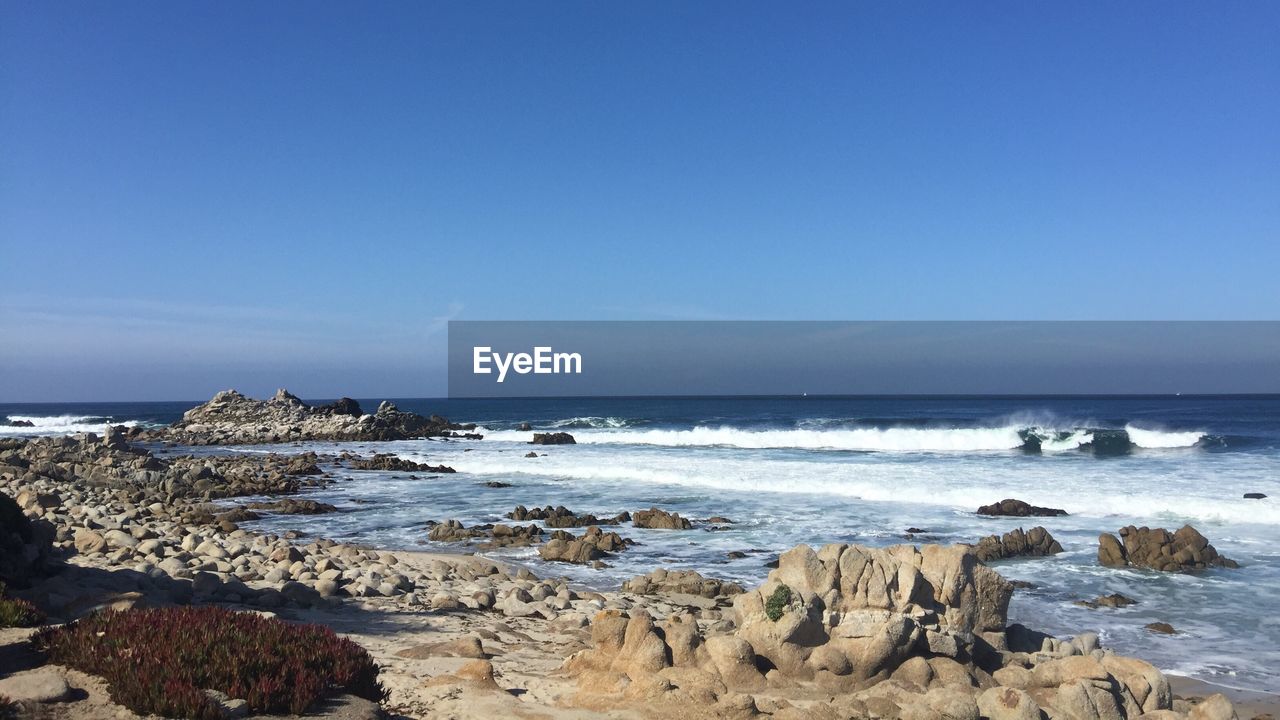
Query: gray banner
point(609, 358)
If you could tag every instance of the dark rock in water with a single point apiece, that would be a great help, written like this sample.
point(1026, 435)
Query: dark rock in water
point(524, 427)
point(914, 531)
point(1254, 496)
point(1114, 600)
point(1022, 585)
point(1017, 508)
point(556, 438)
point(531, 454)
point(391, 463)
point(593, 545)
point(656, 519)
point(562, 517)
point(293, 506)
point(735, 554)
point(1158, 549)
point(497, 484)
point(718, 520)
point(1037, 542)
point(21, 423)
point(1163, 628)
point(342, 406)
point(686, 582)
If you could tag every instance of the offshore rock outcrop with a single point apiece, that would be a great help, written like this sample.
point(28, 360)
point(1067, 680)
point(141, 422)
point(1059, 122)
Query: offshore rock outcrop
point(1036, 542)
point(1158, 549)
point(1012, 507)
point(904, 632)
point(230, 418)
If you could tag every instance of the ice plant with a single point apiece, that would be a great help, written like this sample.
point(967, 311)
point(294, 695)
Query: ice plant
point(160, 661)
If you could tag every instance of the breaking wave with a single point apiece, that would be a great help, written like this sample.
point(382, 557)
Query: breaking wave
point(57, 424)
point(1103, 441)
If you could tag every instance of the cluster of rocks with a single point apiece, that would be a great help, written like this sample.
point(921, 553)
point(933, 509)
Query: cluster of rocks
point(493, 535)
point(1185, 550)
point(1011, 507)
point(390, 462)
point(680, 582)
point(588, 548)
point(109, 461)
point(1036, 542)
point(659, 520)
point(562, 517)
point(230, 418)
point(901, 632)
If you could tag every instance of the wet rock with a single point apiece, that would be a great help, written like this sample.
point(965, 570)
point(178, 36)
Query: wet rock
point(1036, 542)
point(659, 520)
point(1254, 496)
point(686, 582)
point(562, 517)
point(591, 546)
point(292, 506)
point(1114, 600)
point(1158, 549)
point(389, 462)
point(1018, 508)
point(1163, 628)
point(555, 438)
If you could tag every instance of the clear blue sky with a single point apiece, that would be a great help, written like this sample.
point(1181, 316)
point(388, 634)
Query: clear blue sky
point(202, 195)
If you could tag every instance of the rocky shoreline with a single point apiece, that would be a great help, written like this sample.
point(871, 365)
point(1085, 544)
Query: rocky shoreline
point(841, 631)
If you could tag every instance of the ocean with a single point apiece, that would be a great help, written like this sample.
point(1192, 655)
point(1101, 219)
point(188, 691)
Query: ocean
point(816, 470)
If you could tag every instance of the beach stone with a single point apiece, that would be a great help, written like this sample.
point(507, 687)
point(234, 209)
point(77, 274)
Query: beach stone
point(1214, 707)
point(41, 686)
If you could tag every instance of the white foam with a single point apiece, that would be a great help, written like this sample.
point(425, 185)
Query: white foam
point(865, 439)
point(1156, 439)
point(59, 424)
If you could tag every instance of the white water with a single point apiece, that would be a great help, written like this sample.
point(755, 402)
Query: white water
point(891, 439)
point(57, 425)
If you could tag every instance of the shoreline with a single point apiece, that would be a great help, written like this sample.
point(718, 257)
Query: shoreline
point(465, 635)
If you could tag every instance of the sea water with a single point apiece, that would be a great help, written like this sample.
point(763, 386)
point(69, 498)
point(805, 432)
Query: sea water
point(825, 469)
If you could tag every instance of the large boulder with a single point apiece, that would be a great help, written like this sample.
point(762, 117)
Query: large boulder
point(659, 520)
point(1185, 550)
point(680, 582)
point(593, 545)
point(555, 438)
point(900, 632)
point(25, 544)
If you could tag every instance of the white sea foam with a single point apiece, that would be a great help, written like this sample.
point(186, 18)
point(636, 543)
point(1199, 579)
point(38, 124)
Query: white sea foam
point(59, 424)
point(870, 439)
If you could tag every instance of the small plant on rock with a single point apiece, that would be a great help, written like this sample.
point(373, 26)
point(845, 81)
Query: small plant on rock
point(776, 605)
point(18, 613)
point(160, 661)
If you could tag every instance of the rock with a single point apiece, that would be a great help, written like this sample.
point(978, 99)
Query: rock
point(1162, 628)
point(562, 517)
point(25, 544)
point(1158, 549)
point(232, 418)
point(659, 520)
point(1018, 508)
point(292, 506)
point(467, 646)
point(1214, 707)
point(1006, 703)
point(593, 545)
point(524, 427)
point(555, 438)
point(1114, 600)
point(531, 454)
point(1035, 543)
point(1254, 496)
point(687, 582)
point(89, 542)
point(21, 423)
point(392, 463)
point(41, 686)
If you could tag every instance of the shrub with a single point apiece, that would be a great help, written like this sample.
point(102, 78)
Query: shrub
point(777, 603)
point(159, 661)
point(19, 613)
